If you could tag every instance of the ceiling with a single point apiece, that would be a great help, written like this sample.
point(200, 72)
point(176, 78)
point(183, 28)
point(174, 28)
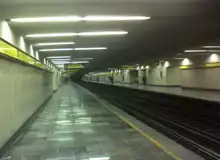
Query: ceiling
point(175, 25)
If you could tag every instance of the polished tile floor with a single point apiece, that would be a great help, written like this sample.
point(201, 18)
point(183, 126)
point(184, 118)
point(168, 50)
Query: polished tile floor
point(74, 126)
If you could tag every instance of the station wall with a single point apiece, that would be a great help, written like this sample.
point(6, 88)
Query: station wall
point(157, 76)
point(23, 89)
point(141, 73)
point(204, 74)
point(206, 78)
point(173, 76)
point(161, 76)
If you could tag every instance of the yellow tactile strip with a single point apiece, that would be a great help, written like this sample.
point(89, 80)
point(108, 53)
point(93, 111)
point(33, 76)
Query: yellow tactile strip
point(146, 135)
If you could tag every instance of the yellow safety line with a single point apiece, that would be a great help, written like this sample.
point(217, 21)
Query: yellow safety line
point(147, 136)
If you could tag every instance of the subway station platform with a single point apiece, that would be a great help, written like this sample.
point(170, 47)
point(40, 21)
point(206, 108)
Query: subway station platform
point(77, 125)
point(209, 95)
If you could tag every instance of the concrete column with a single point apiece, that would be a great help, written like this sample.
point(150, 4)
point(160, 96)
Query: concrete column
point(126, 76)
point(56, 80)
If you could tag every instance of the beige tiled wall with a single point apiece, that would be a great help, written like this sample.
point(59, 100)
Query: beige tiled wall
point(22, 90)
point(173, 76)
point(157, 76)
point(118, 78)
point(208, 78)
point(170, 76)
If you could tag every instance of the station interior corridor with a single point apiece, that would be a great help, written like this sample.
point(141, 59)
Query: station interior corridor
point(74, 126)
point(109, 80)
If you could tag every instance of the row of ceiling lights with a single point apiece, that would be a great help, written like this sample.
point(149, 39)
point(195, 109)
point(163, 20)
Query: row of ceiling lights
point(88, 18)
point(76, 19)
point(67, 59)
point(185, 61)
point(200, 51)
point(137, 68)
point(103, 33)
point(204, 49)
point(81, 34)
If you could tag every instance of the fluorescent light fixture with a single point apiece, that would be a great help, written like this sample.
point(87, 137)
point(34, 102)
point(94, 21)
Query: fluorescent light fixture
point(100, 158)
point(63, 121)
point(57, 49)
point(114, 18)
point(72, 62)
point(83, 58)
point(59, 57)
point(69, 49)
point(178, 58)
point(59, 60)
point(211, 47)
point(60, 66)
point(51, 35)
point(54, 44)
point(90, 48)
point(48, 19)
point(103, 33)
point(192, 51)
point(78, 62)
point(78, 18)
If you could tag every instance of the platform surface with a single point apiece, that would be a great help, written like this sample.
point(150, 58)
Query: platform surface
point(76, 126)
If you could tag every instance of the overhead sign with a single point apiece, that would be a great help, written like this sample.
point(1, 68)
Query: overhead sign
point(69, 71)
point(74, 66)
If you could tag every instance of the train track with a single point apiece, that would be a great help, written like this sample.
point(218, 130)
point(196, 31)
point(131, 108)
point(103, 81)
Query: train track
point(196, 129)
